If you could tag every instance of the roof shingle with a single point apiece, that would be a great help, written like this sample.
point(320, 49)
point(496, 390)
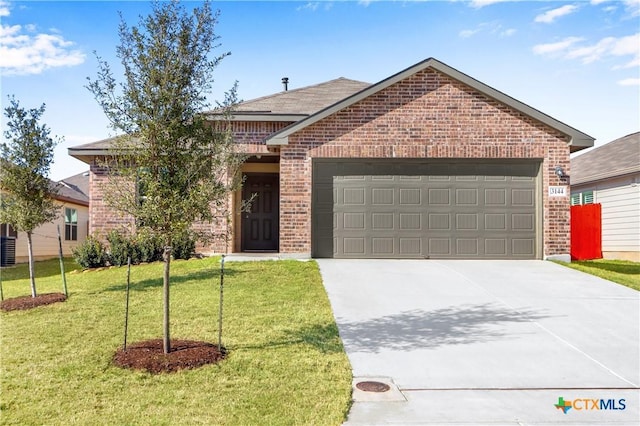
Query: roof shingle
point(305, 100)
point(616, 158)
point(74, 188)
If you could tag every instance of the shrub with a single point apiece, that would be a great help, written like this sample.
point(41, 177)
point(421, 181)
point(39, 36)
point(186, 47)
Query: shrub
point(90, 254)
point(120, 248)
point(184, 246)
point(148, 247)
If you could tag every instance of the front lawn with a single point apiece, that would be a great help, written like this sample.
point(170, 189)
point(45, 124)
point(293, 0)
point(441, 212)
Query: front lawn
point(286, 363)
point(620, 271)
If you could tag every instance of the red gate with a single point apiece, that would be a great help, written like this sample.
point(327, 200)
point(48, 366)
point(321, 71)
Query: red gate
point(586, 232)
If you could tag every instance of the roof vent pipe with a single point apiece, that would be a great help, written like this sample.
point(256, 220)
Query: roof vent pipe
point(285, 83)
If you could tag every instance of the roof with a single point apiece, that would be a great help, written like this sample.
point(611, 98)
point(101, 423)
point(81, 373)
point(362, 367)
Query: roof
point(578, 140)
point(293, 105)
point(74, 189)
point(310, 104)
point(87, 151)
point(616, 158)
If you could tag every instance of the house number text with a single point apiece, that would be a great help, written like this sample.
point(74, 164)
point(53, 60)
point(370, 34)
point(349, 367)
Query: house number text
point(557, 191)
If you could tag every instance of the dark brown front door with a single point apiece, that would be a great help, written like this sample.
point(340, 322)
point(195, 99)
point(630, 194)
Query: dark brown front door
point(261, 223)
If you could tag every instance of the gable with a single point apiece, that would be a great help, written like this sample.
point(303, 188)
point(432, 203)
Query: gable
point(426, 77)
point(428, 108)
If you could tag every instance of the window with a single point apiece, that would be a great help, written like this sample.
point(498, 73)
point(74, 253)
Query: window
point(7, 230)
point(581, 198)
point(70, 224)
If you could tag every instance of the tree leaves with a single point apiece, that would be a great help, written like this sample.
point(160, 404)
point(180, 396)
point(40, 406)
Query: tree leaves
point(26, 156)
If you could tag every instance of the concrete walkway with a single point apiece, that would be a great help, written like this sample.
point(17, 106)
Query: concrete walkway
point(486, 342)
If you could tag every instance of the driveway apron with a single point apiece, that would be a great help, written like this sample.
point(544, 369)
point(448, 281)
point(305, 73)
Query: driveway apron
point(486, 342)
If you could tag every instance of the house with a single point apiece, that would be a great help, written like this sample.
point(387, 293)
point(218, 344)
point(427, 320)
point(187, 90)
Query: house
point(73, 220)
point(610, 175)
point(427, 163)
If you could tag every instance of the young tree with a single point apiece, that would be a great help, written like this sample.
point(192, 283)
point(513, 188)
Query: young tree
point(180, 164)
point(27, 155)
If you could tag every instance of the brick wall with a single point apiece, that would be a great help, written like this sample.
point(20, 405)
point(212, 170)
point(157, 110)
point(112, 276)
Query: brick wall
point(427, 115)
point(249, 136)
point(102, 217)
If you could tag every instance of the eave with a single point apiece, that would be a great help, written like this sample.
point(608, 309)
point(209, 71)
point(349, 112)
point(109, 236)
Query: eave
point(258, 116)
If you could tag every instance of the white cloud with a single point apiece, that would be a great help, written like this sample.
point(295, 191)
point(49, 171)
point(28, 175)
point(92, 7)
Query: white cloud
point(629, 82)
point(557, 47)
point(312, 6)
point(508, 33)
point(493, 27)
point(620, 49)
point(468, 33)
point(610, 46)
point(633, 7)
point(4, 8)
point(482, 3)
point(551, 15)
point(629, 45)
point(25, 51)
point(592, 53)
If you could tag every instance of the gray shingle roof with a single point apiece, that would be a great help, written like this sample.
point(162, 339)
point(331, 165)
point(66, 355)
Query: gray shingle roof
point(74, 188)
point(616, 158)
point(306, 100)
point(299, 103)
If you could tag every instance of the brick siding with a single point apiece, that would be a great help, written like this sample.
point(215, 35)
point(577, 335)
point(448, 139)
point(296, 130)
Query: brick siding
point(427, 115)
point(103, 218)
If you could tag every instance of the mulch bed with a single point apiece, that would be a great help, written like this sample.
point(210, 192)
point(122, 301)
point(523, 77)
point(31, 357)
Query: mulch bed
point(28, 302)
point(149, 355)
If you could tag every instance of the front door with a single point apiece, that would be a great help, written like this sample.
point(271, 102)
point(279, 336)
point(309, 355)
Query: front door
point(260, 223)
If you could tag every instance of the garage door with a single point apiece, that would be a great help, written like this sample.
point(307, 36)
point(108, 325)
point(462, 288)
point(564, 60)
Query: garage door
point(424, 209)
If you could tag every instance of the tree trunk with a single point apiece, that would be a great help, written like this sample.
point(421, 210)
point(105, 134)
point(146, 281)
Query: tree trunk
point(165, 285)
point(32, 273)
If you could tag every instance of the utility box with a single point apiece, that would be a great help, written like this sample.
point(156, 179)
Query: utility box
point(7, 251)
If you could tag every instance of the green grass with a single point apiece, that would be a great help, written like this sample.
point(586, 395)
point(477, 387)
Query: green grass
point(286, 363)
point(622, 272)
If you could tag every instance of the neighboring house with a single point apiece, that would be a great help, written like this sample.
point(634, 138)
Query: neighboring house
point(428, 163)
point(73, 219)
point(610, 175)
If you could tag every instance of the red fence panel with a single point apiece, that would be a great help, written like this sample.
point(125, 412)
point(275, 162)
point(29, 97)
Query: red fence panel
point(586, 232)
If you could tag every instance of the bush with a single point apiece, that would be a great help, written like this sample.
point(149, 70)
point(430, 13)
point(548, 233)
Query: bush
point(148, 247)
point(184, 246)
point(90, 254)
point(144, 247)
point(120, 248)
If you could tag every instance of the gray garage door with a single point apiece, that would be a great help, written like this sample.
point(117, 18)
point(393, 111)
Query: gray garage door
point(424, 209)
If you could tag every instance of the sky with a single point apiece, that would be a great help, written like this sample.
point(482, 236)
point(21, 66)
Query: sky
point(577, 61)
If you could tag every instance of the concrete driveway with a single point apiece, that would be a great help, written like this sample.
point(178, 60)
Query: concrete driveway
point(486, 342)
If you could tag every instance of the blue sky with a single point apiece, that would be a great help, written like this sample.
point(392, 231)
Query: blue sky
point(578, 61)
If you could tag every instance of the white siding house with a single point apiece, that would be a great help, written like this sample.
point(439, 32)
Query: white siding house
point(610, 175)
point(73, 220)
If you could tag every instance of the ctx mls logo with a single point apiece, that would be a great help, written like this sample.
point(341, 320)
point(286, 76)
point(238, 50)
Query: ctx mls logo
point(563, 405)
point(583, 404)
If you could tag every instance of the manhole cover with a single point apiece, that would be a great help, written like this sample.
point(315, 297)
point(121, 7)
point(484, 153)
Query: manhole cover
point(373, 386)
